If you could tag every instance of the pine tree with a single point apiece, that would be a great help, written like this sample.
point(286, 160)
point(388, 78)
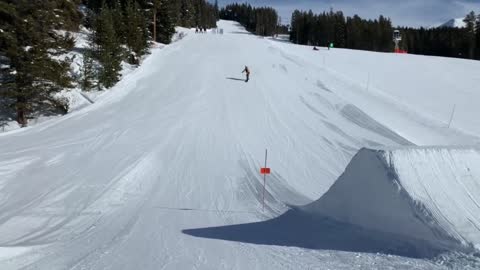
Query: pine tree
point(470, 21)
point(28, 44)
point(187, 13)
point(119, 22)
point(109, 51)
point(217, 11)
point(165, 23)
point(88, 73)
point(7, 43)
point(136, 35)
point(94, 5)
point(477, 31)
point(68, 14)
point(339, 30)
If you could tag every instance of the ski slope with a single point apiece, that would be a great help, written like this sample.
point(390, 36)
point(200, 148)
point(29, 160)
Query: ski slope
point(162, 172)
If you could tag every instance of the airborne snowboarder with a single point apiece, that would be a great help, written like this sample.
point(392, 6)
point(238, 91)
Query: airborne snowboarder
point(247, 73)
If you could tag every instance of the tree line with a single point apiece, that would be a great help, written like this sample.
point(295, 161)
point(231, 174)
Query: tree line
point(344, 32)
point(34, 39)
point(445, 41)
point(376, 35)
point(263, 21)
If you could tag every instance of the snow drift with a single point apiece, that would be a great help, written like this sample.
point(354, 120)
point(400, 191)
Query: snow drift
point(430, 195)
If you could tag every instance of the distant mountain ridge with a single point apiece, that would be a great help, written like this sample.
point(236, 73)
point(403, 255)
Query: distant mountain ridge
point(454, 23)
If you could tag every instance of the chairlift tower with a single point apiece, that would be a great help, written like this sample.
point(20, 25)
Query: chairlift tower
point(397, 37)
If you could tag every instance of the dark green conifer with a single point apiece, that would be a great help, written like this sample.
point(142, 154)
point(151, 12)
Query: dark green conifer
point(30, 46)
point(108, 51)
point(165, 22)
point(136, 32)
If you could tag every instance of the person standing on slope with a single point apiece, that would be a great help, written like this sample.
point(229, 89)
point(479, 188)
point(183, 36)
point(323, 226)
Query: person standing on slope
point(247, 72)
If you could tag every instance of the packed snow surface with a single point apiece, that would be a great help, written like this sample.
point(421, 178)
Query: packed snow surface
point(162, 171)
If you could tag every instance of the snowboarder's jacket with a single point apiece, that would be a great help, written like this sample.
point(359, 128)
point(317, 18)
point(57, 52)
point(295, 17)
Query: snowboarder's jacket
point(247, 72)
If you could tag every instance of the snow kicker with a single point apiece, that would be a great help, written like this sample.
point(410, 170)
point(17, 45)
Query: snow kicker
point(421, 200)
point(413, 202)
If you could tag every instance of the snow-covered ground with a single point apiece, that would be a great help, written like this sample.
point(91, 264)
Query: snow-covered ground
point(162, 172)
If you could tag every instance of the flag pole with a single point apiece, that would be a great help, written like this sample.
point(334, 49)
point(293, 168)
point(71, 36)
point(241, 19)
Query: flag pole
point(264, 181)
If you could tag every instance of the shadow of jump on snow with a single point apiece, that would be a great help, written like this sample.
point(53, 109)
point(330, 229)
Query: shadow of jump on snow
point(295, 228)
point(240, 33)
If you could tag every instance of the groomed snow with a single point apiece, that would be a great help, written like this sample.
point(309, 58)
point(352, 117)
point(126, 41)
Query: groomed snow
point(162, 171)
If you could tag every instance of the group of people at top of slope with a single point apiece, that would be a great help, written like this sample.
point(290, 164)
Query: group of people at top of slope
point(200, 30)
point(330, 46)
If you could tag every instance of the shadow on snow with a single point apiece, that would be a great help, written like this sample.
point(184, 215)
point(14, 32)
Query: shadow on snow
point(235, 79)
point(296, 228)
point(241, 33)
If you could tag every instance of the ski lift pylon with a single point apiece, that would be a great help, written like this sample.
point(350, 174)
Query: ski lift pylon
point(396, 35)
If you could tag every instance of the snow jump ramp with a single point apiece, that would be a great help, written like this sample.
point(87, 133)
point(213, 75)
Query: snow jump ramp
point(414, 202)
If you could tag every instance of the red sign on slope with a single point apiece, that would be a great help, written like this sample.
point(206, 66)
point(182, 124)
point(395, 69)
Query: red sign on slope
point(264, 170)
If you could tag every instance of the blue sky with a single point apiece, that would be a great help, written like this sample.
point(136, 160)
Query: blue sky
point(402, 12)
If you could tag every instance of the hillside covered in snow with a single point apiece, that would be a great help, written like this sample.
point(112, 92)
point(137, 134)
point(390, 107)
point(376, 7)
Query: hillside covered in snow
point(374, 159)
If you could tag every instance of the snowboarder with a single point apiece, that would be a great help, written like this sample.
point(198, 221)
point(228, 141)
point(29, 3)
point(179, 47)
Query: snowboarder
point(315, 48)
point(247, 73)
